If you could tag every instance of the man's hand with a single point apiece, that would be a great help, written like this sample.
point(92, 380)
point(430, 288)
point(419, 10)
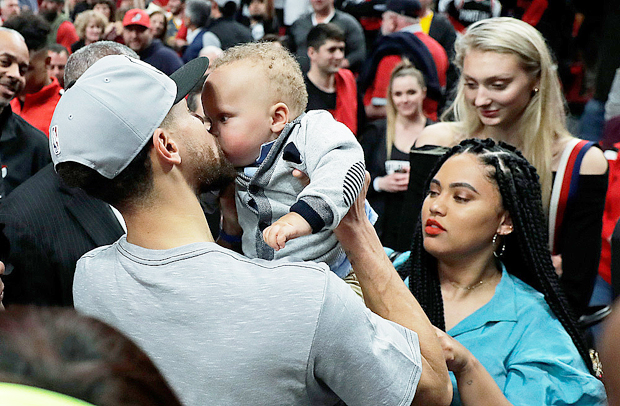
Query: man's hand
point(458, 358)
point(289, 226)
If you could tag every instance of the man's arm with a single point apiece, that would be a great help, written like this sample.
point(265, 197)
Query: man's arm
point(386, 295)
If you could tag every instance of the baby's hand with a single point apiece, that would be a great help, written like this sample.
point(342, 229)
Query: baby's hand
point(289, 226)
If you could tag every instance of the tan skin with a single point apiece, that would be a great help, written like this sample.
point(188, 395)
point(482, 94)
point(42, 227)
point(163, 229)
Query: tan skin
point(486, 71)
point(460, 216)
point(500, 89)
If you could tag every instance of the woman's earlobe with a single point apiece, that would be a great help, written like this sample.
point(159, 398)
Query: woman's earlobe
point(506, 227)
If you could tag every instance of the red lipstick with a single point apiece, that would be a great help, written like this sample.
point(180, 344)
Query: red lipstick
point(433, 227)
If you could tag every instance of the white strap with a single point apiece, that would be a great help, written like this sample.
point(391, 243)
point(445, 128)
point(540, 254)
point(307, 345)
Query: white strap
point(557, 188)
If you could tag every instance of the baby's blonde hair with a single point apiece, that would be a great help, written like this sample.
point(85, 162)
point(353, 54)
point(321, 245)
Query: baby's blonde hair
point(284, 78)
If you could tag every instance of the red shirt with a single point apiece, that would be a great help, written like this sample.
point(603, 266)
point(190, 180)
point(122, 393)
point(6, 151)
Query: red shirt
point(39, 107)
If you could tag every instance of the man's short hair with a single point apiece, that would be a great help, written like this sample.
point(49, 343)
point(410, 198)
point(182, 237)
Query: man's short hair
point(284, 77)
point(32, 27)
point(84, 57)
point(321, 33)
point(57, 49)
point(128, 189)
point(198, 12)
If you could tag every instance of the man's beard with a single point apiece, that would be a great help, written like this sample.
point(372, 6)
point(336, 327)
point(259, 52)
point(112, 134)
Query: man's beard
point(213, 173)
point(50, 16)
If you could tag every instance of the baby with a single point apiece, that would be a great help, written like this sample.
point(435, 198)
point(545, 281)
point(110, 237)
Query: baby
point(255, 99)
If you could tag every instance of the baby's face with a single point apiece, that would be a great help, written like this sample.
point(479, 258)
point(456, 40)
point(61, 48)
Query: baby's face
point(236, 102)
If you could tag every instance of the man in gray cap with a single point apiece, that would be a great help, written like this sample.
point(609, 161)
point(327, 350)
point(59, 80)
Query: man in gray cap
point(223, 329)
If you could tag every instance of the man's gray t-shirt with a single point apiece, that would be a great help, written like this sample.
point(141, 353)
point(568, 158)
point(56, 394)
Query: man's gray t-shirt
point(227, 330)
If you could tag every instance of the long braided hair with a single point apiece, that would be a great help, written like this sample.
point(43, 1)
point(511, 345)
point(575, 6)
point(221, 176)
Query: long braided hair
point(526, 254)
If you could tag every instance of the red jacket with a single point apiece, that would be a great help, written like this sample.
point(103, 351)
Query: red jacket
point(38, 107)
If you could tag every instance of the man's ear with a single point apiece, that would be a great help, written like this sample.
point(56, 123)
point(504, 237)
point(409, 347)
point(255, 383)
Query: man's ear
point(505, 225)
point(279, 116)
point(48, 62)
point(165, 147)
point(311, 52)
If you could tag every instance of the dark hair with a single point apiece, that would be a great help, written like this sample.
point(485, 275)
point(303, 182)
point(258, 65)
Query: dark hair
point(32, 27)
point(526, 254)
point(57, 49)
point(129, 188)
point(59, 350)
point(321, 33)
point(198, 12)
point(228, 9)
point(111, 5)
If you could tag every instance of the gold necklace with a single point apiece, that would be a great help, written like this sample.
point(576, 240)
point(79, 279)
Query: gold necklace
point(471, 287)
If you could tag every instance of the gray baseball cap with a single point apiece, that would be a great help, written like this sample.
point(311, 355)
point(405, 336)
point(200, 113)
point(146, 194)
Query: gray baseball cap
point(112, 110)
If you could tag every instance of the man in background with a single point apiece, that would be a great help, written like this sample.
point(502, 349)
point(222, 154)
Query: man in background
point(62, 29)
point(8, 9)
point(23, 148)
point(50, 225)
point(38, 99)
point(139, 37)
point(331, 87)
point(58, 60)
point(324, 11)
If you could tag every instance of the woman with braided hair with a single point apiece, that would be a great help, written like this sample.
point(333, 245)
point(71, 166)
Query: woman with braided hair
point(509, 91)
point(481, 270)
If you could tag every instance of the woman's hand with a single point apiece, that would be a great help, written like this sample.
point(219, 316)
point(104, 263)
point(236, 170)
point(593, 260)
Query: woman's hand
point(394, 182)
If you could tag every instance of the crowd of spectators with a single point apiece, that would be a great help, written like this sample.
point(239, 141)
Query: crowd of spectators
point(407, 85)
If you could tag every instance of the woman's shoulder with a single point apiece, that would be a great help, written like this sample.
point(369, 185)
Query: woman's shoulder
point(529, 299)
point(594, 163)
point(442, 134)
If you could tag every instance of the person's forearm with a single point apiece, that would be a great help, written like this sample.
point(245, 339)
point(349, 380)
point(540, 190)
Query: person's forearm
point(375, 112)
point(386, 295)
point(477, 387)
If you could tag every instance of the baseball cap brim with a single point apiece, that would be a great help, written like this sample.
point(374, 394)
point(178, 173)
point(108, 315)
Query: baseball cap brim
point(189, 76)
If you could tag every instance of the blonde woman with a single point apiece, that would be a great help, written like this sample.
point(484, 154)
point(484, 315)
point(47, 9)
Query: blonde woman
point(90, 26)
point(509, 91)
point(387, 143)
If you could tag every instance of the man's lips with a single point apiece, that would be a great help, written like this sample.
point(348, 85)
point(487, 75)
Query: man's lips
point(433, 227)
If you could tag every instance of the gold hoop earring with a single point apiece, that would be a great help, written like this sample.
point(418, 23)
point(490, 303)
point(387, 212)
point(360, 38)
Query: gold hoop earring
point(501, 250)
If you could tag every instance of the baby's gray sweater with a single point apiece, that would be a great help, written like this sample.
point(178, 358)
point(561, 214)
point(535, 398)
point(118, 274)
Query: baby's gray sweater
point(328, 152)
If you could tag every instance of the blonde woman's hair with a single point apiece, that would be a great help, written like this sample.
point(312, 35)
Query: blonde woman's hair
point(404, 68)
point(284, 78)
point(543, 121)
point(82, 20)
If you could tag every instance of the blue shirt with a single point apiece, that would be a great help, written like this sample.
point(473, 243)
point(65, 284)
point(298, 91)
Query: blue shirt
point(526, 350)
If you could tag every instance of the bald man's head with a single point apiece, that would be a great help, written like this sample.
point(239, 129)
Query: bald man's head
point(14, 60)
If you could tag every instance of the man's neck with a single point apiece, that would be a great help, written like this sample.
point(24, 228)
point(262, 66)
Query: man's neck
point(174, 219)
point(323, 15)
point(324, 81)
